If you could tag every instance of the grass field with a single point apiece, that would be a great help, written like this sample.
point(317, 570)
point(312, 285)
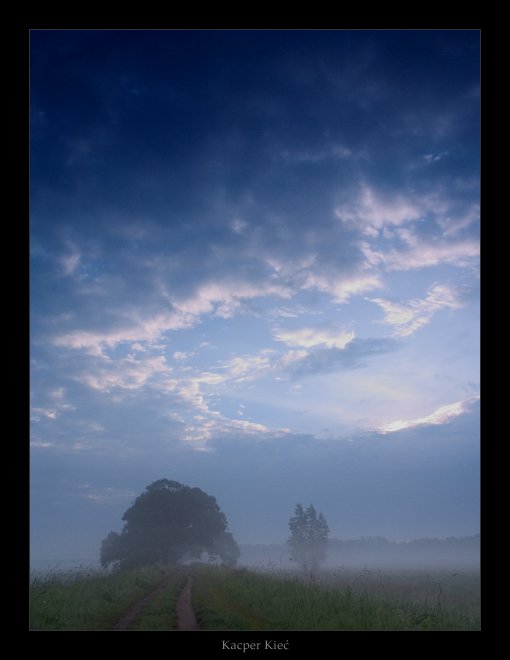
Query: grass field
point(245, 600)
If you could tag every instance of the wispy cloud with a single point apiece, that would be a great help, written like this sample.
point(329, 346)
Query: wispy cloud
point(328, 334)
point(127, 373)
point(420, 252)
point(220, 299)
point(371, 211)
point(432, 158)
point(248, 367)
point(414, 314)
point(441, 415)
point(404, 233)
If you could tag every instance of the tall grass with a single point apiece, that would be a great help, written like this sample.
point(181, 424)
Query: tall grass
point(86, 599)
point(245, 600)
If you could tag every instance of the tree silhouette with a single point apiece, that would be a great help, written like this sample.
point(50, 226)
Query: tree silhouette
point(166, 523)
point(309, 537)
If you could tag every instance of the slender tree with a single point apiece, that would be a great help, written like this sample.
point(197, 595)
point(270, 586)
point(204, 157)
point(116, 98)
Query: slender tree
point(309, 537)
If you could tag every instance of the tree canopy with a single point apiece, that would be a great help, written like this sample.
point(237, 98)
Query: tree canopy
point(166, 523)
point(309, 537)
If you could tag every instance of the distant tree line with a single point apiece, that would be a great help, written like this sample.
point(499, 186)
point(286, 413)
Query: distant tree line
point(451, 551)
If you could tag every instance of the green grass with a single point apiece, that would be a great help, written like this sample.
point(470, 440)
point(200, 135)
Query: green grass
point(245, 600)
point(241, 599)
point(90, 600)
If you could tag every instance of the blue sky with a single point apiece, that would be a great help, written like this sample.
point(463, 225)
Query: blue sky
point(255, 270)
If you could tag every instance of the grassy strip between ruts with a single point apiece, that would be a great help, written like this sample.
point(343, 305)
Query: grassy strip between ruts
point(240, 599)
point(89, 600)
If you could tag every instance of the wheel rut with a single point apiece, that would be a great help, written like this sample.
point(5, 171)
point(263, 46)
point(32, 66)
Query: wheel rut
point(186, 619)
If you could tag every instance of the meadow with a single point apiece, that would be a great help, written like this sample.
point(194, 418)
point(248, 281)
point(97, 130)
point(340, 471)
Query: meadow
point(243, 599)
point(88, 599)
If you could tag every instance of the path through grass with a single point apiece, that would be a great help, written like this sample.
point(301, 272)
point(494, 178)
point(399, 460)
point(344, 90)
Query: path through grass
point(85, 599)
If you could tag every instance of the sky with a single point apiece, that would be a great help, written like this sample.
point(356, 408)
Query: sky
point(254, 269)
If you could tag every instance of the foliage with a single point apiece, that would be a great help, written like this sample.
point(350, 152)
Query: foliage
point(309, 537)
point(167, 523)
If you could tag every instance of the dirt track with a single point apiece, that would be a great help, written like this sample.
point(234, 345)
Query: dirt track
point(186, 619)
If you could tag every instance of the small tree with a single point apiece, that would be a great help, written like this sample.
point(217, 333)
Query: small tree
point(309, 537)
point(168, 522)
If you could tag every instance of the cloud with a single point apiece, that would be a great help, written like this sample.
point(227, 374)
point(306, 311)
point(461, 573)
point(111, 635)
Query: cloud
point(341, 274)
point(248, 367)
point(422, 252)
point(404, 232)
point(327, 334)
point(411, 316)
point(431, 158)
point(370, 211)
point(312, 155)
point(341, 288)
point(238, 226)
point(453, 225)
point(190, 392)
point(71, 262)
point(441, 415)
point(355, 354)
point(181, 356)
point(127, 373)
point(109, 493)
point(202, 430)
point(134, 325)
point(137, 331)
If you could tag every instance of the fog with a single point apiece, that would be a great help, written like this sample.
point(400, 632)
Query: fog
point(376, 554)
point(373, 553)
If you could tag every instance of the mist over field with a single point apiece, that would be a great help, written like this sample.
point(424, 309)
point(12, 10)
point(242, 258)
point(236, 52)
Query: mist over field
point(375, 554)
point(254, 270)
point(372, 554)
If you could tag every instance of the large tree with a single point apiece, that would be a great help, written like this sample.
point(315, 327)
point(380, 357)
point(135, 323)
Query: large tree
point(309, 537)
point(166, 523)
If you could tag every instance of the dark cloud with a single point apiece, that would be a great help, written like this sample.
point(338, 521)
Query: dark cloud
point(356, 354)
